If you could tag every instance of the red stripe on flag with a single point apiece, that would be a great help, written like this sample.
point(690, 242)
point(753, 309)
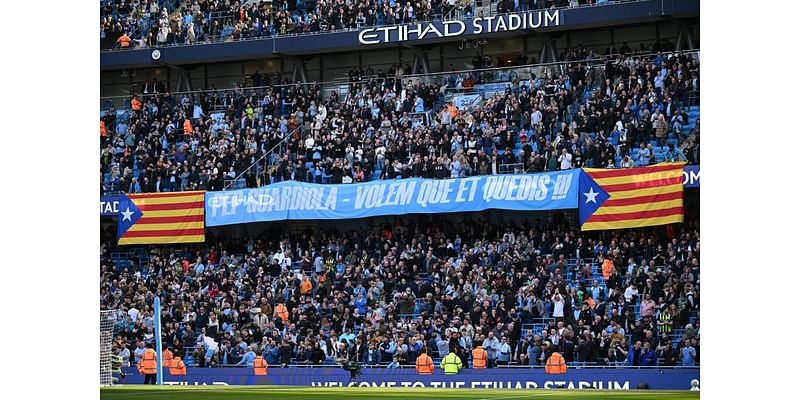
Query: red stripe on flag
point(678, 180)
point(633, 171)
point(171, 232)
point(169, 220)
point(177, 206)
point(666, 212)
point(643, 199)
point(163, 195)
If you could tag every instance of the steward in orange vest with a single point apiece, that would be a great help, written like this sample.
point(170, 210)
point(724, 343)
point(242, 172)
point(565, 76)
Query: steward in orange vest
point(124, 41)
point(281, 311)
point(147, 366)
point(305, 286)
point(479, 357)
point(166, 357)
point(177, 367)
point(260, 366)
point(555, 364)
point(136, 105)
point(425, 364)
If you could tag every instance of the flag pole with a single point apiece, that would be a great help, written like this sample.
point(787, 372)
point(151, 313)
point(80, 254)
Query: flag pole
point(157, 326)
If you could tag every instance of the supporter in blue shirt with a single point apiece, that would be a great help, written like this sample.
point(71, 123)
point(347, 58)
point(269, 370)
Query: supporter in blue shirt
point(673, 154)
point(688, 354)
point(649, 358)
point(372, 356)
point(504, 352)
point(273, 353)
point(418, 105)
point(248, 358)
point(361, 304)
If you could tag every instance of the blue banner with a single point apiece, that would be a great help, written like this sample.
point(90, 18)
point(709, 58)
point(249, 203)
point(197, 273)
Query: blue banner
point(297, 200)
point(691, 176)
point(109, 206)
point(499, 378)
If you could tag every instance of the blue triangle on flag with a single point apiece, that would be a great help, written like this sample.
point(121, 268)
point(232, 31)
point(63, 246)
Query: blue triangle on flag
point(128, 215)
point(590, 197)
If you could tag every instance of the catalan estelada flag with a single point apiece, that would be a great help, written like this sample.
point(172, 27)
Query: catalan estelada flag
point(631, 197)
point(148, 218)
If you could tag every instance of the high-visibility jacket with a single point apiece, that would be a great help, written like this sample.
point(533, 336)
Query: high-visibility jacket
point(148, 363)
point(425, 364)
point(451, 364)
point(177, 367)
point(282, 312)
point(166, 357)
point(479, 357)
point(103, 132)
point(305, 287)
point(555, 364)
point(124, 41)
point(136, 105)
point(187, 127)
point(116, 364)
point(608, 266)
point(260, 366)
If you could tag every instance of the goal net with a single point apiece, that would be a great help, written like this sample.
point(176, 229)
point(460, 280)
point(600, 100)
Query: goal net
point(107, 318)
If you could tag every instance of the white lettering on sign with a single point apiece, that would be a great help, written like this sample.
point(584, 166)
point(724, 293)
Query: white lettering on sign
point(393, 194)
point(492, 24)
point(691, 177)
point(476, 384)
point(109, 207)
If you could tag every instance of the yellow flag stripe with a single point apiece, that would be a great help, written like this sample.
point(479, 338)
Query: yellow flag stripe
point(167, 227)
point(639, 207)
point(633, 223)
point(168, 200)
point(174, 213)
point(638, 178)
point(163, 239)
point(663, 164)
point(627, 194)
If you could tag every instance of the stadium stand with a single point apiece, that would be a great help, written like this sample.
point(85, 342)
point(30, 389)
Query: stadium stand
point(308, 297)
point(168, 23)
point(611, 112)
point(377, 290)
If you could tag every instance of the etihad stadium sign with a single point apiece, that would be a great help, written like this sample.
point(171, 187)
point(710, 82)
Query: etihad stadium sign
point(474, 26)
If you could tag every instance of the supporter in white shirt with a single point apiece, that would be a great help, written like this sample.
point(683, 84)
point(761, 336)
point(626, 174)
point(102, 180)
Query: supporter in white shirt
point(134, 314)
point(631, 291)
point(565, 159)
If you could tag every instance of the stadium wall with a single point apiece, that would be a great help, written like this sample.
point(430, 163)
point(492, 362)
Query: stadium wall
point(506, 378)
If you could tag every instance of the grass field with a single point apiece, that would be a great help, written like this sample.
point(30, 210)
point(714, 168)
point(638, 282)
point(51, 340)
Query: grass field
point(292, 393)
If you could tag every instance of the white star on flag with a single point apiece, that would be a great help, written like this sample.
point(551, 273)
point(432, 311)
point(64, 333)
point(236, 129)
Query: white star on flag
point(126, 215)
point(591, 196)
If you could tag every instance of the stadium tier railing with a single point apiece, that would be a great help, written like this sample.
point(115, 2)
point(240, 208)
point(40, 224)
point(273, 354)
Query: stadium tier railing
point(575, 364)
point(268, 158)
point(543, 71)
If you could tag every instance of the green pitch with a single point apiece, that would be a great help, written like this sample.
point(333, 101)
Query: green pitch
point(130, 392)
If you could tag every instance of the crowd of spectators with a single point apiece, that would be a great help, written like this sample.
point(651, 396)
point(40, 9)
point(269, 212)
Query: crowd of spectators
point(379, 295)
point(628, 111)
point(147, 23)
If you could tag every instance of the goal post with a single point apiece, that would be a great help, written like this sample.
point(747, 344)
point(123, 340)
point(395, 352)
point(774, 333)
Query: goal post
point(107, 318)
